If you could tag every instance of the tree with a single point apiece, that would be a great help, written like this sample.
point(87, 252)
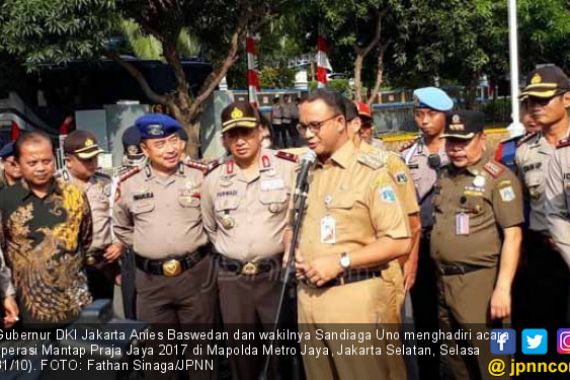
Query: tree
point(59, 31)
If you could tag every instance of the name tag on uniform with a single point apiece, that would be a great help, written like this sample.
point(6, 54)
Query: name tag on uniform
point(272, 184)
point(328, 230)
point(462, 224)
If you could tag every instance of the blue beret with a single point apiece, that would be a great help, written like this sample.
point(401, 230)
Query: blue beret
point(7, 150)
point(434, 98)
point(156, 126)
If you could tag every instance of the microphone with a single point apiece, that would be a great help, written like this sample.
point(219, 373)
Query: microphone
point(307, 162)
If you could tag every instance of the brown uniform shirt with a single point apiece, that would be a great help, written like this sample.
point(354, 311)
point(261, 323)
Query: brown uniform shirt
point(160, 217)
point(98, 192)
point(245, 219)
point(356, 191)
point(471, 206)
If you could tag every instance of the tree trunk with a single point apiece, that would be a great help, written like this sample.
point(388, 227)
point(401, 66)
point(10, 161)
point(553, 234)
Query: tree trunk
point(357, 76)
point(379, 74)
point(471, 91)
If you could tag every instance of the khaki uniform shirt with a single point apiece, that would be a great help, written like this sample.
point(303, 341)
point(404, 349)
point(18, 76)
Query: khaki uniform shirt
point(400, 175)
point(557, 199)
point(532, 158)
point(357, 192)
point(245, 219)
point(471, 206)
point(160, 217)
point(98, 193)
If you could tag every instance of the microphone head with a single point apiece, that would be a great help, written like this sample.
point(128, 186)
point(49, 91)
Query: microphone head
point(309, 156)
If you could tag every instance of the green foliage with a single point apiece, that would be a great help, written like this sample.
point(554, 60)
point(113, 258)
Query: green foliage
point(277, 77)
point(340, 85)
point(55, 31)
point(498, 110)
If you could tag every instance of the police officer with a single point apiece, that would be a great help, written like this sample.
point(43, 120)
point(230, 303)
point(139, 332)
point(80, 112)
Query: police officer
point(547, 99)
point(133, 155)
point(11, 172)
point(354, 225)
point(158, 215)
point(476, 201)
point(277, 123)
point(80, 153)
point(424, 157)
point(244, 207)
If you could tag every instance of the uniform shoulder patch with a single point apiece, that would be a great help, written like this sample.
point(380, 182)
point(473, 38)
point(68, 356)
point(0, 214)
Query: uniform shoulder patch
point(563, 143)
point(129, 173)
point(494, 168)
point(203, 167)
point(287, 156)
point(212, 165)
point(408, 145)
point(527, 138)
point(371, 159)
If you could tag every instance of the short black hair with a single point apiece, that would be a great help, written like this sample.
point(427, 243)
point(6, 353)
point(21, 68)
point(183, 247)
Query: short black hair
point(350, 108)
point(332, 98)
point(29, 137)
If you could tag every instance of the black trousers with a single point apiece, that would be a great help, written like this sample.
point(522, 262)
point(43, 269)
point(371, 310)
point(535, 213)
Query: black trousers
point(424, 301)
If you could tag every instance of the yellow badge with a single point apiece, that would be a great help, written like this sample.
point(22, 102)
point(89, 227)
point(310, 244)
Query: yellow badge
point(88, 142)
point(536, 79)
point(236, 113)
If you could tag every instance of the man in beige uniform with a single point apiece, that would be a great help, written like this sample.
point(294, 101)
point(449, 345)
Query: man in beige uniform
point(354, 225)
point(547, 99)
point(475, 243)
point(81, 150)
point(244, 206)
point(158, 215)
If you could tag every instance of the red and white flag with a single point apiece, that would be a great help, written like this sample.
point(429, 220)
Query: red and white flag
point(252, 73)
point(323, 63)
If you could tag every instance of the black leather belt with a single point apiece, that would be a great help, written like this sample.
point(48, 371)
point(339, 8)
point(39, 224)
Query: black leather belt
point(173, 266)
point(453, 269)
point(249, 268)
point(353, 275)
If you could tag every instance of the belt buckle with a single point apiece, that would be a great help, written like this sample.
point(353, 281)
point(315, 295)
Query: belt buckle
point(90, 260)
point(249, 269)
point(171, 268)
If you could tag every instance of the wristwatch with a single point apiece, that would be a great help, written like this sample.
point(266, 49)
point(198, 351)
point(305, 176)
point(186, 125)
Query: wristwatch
point(345, 261)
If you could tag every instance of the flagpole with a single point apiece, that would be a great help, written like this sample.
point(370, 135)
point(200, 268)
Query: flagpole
point(515, 128)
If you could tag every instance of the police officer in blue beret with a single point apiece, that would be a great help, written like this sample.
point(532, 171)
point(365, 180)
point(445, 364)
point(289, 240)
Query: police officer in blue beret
point(11, 172)
point(158, 214)
point(425, 156)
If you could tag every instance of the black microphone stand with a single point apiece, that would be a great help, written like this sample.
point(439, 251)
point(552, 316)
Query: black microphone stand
point(299, 206)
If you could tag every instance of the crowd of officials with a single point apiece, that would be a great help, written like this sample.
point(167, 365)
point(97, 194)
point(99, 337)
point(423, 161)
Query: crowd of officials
point(474, 237)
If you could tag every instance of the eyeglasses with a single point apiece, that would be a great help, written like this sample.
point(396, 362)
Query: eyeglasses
point(531, 100)
point(314, 126)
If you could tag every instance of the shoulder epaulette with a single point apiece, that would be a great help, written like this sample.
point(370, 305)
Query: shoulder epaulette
point(513, 139)
point(203, 167)
point(214, 164)
point(129, 173)
point(287, 156)
point(371, 159)
point(527, 138)
point(563, 143)
point(408, 144)
point(494, 168)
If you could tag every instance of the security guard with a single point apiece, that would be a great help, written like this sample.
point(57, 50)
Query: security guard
point(366, 131)
point(80, 153)
point(424, 157)
point(354, 225)
point(477, 201)
point(244, 207)
point(11, 172)
point(547, 99)
point(158, 215)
